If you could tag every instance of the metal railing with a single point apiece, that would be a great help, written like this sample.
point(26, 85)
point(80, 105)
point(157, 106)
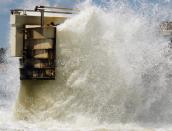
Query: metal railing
point(46, 9)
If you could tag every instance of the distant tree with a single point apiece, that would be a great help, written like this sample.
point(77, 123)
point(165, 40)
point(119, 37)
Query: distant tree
point(2, 55)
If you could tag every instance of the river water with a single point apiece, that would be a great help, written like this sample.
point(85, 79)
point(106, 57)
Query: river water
point(114, 72)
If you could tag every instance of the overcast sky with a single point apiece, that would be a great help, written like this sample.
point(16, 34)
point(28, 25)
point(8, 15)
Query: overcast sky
point(6, 5)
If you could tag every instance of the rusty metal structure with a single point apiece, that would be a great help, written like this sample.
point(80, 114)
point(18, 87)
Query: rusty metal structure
point(166, 29)
point(37, 51)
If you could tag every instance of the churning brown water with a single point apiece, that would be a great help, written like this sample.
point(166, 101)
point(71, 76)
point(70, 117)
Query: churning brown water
point(114, 71)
